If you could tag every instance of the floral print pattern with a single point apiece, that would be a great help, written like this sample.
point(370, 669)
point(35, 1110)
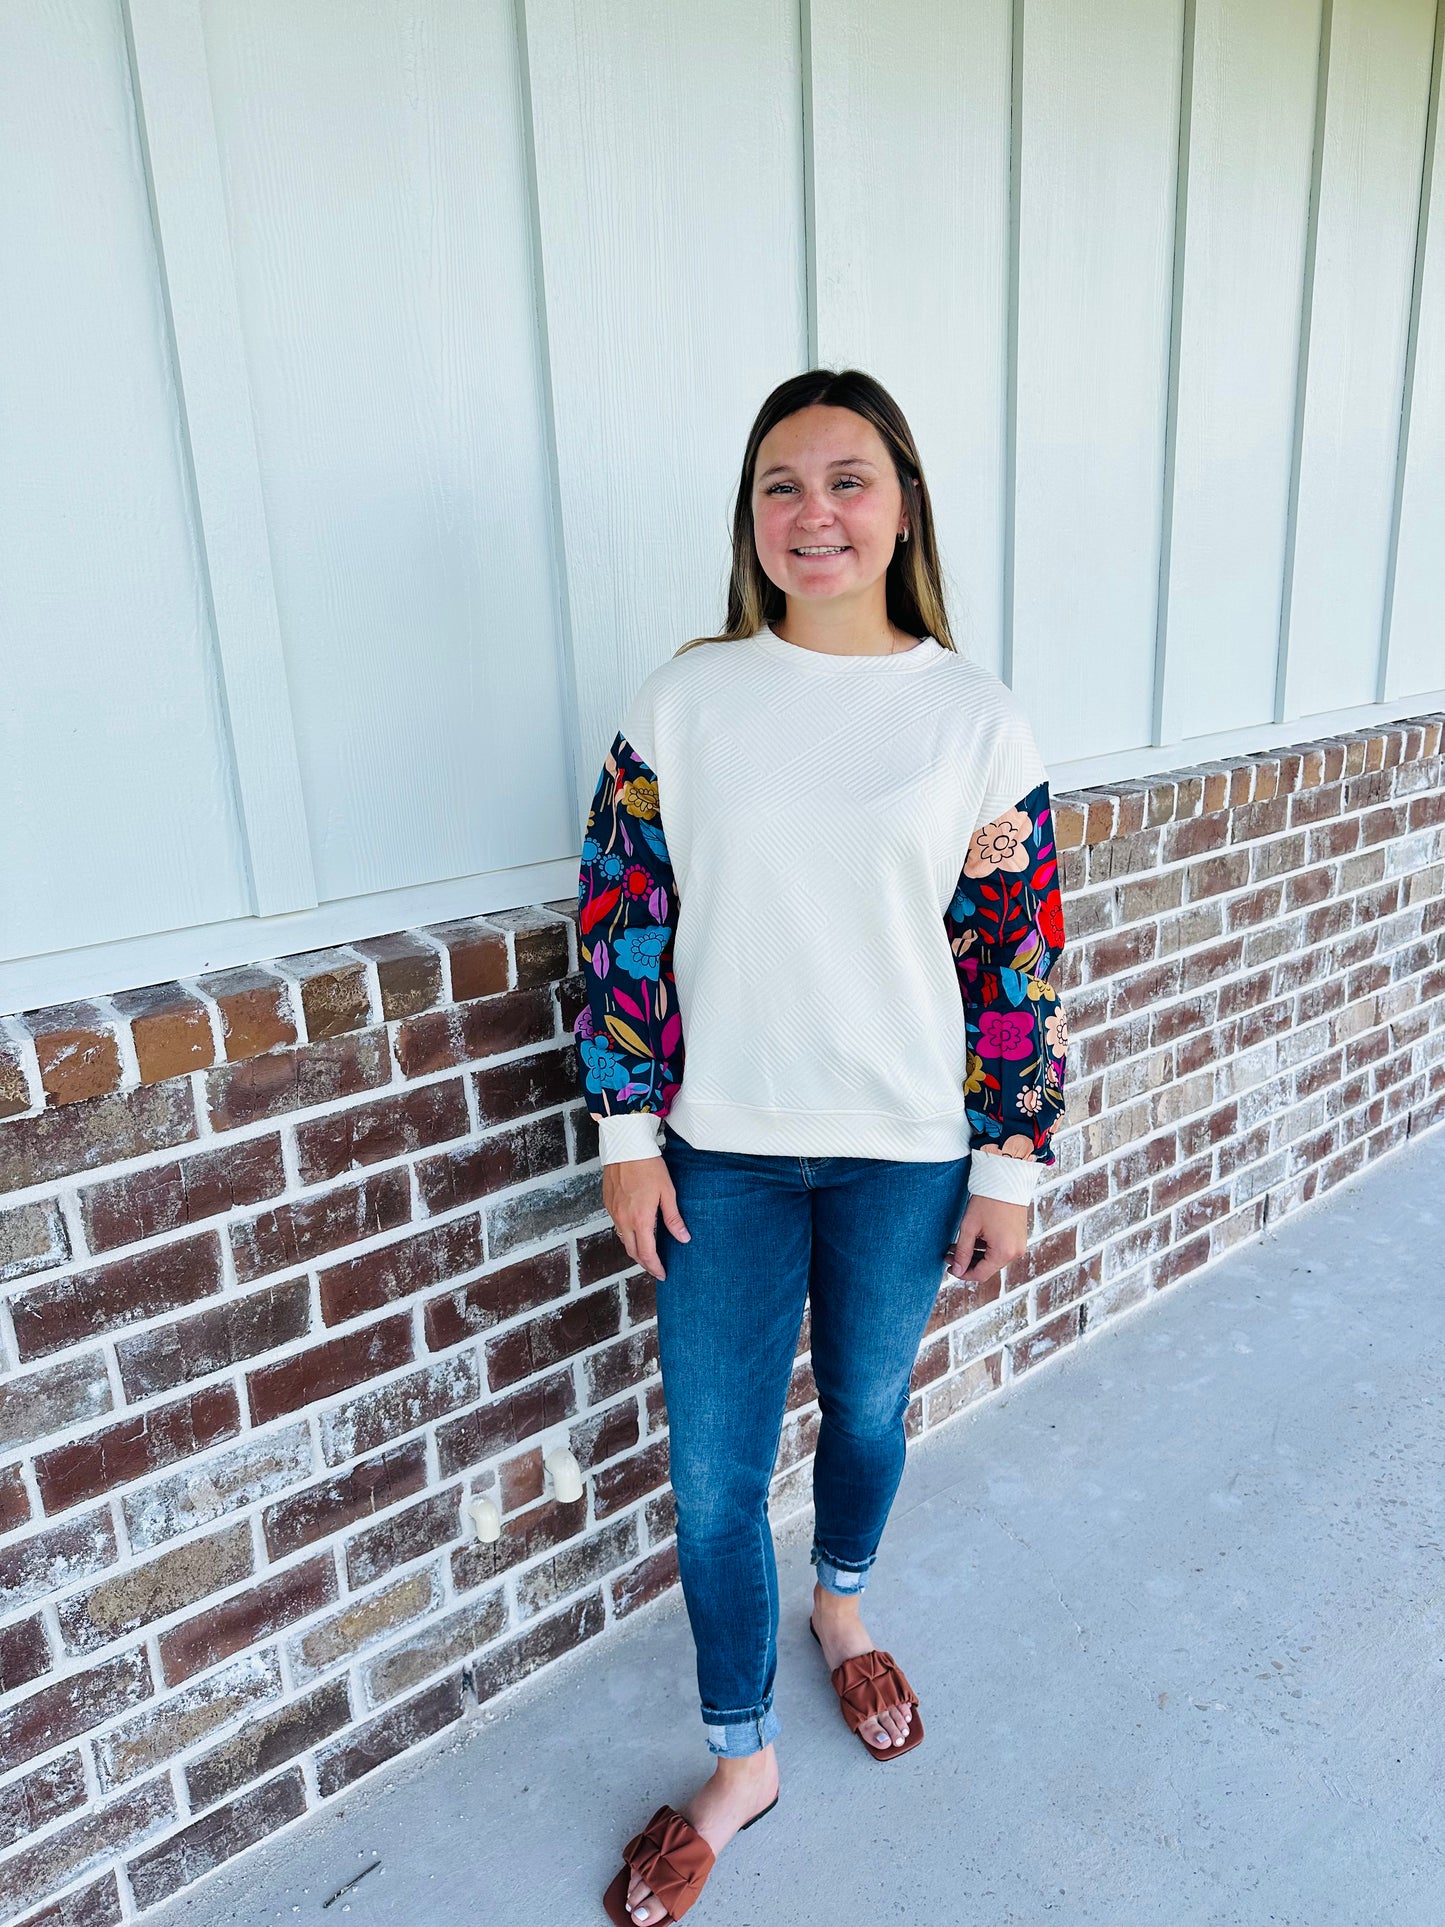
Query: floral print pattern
point(1006, 929)
point(629, 1031)
point(1005, 926)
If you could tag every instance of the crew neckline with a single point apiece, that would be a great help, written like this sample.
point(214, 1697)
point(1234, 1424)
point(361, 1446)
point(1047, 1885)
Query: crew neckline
point(923, 652)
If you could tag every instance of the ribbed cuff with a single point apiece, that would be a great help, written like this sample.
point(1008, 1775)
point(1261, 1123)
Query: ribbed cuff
point(1013, 1180)
point(631, 1134)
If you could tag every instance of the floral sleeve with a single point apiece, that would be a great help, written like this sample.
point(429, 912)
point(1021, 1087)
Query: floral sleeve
point(1006, 929)
point(629, 1031)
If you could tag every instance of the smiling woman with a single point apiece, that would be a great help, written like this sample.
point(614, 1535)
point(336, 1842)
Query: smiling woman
point(818, 907)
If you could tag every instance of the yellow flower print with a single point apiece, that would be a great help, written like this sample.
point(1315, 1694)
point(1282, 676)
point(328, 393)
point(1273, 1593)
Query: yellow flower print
point(1000, 845)
point(640, 798)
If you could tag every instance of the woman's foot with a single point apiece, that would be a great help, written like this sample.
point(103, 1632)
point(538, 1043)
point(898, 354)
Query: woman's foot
point(737, 1791)
point(842, 1635)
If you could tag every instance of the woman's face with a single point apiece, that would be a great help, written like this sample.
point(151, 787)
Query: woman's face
point(827, 504)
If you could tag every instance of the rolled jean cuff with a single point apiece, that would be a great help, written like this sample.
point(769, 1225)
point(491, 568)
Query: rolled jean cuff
point(733, 1737)
point(833, 1577)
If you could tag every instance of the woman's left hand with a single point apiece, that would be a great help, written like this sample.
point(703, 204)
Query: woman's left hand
point(999, 1228)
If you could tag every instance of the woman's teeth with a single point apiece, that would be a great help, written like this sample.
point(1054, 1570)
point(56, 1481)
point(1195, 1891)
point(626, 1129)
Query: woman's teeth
point(833, 551)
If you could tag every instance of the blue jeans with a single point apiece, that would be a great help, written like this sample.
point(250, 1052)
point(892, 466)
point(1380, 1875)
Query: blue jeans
point(865, 1241)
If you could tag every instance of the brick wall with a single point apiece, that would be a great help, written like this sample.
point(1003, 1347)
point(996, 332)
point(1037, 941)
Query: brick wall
point(298, 1257)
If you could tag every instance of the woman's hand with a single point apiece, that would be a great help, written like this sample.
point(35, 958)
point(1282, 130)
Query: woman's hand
point(1000, 1228)
point(633, 1192)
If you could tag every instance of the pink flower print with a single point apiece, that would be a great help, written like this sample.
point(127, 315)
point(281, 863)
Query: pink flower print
point(1000, 845)
point(1008, 1034)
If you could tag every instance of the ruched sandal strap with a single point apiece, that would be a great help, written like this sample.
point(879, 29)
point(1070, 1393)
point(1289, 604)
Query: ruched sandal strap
point(673, 1858)
point(868, 1684)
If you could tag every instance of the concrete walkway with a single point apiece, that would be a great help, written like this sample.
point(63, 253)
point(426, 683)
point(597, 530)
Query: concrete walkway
point(1174, 1605)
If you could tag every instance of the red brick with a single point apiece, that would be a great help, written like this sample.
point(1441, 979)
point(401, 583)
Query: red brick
point(123, 1605)
point(464, 1033)
point(408, 970)
point(618, 1484)
point(617, 1368)
point(1044, 1341)
point(14, 1499)
point(257, 1466)
point(604, 1434)
point(389, 1127)
point(546, 1640)
point(539, 943)
point(70, 1474)
point(44, 1563)
point(334, 992)
point(324, 1370)
point(574, 1327)
point(144, 1204)
point(267, 1743)
point(528, 1534)
point(78, 1137)
point(247, 1618)
point(208, 1843)
point(77, 1051)
point(401, 1405)
point(380, 1740)
point(526, 1084)
point(15, 1093)
point(648, 1580)
point(295, 1080)
point(575, 1566)
point(81, 1847)
point(506, 1421)
point(500, 1294)
point(477, 954)
point(72, 1705)
point(67, 1311)
point(33, 1238)
point(434, 1647)
point(295, 1234)
point(403, 1536)
point(529, 1150)
point(47, 1793)
point(237, 1328)
point(399, 1269)
point(97, 1905)
point(521, 1479)
point(323, 1509)
point(170, 1028)
point(172, 1725)
point(24, 1653)
point(255, 1007)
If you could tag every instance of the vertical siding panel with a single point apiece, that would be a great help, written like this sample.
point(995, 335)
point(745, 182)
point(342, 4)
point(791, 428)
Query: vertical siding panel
point(1098, 161)
point(1416, 635)
point(669, 186)
point(116, 807)
point(374, 169)
point(911, 155)
point(1369, 195)
point(1251, 133)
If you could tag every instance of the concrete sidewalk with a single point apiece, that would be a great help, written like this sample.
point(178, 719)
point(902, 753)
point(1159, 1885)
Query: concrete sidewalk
point(1174, 1606)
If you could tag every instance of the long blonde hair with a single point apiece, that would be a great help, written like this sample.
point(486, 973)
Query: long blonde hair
point(914, 582)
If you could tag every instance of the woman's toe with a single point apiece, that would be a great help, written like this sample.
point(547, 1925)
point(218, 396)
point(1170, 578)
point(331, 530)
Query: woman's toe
point(640, 1896)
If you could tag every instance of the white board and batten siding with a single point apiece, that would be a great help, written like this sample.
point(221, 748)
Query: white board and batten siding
point(375, 381)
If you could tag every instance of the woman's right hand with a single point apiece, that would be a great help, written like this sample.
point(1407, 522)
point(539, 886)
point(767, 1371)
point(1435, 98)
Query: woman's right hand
point(633, 1192)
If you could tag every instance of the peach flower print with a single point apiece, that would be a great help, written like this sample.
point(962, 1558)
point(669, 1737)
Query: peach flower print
point(1000, 845)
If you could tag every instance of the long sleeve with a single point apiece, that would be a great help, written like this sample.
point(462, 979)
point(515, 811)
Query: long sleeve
point(629, 1031)
point(1006, 928)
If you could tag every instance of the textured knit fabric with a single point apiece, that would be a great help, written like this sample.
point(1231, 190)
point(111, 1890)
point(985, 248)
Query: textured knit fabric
point(819, 907)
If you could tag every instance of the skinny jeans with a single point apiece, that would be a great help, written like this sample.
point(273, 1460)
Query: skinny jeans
point(864, 1242)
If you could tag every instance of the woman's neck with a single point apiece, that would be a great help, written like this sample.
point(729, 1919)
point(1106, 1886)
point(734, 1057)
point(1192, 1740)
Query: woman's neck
point(834, 627)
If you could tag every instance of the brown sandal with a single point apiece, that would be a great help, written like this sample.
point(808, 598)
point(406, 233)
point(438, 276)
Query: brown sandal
point(869, 1684)
point(675, 1861)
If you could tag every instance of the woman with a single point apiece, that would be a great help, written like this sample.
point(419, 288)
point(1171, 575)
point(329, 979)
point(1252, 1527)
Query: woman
point(855, 906)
